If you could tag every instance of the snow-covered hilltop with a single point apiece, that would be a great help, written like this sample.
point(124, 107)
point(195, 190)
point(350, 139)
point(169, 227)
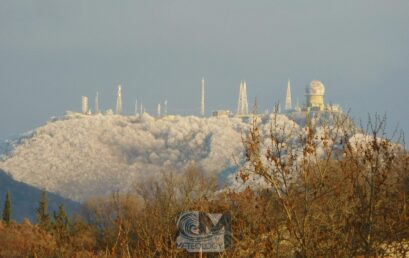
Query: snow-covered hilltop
point(79, 156)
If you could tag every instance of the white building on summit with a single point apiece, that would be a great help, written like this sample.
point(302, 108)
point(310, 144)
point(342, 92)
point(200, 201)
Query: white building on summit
point(314, 93)
point(85, 108)
point(314, 99)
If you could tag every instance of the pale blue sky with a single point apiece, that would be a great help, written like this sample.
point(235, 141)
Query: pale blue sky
point(53, 52)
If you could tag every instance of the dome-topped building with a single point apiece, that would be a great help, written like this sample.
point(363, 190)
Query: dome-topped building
point(315, 88)
point(315, 100)
point(314, 94)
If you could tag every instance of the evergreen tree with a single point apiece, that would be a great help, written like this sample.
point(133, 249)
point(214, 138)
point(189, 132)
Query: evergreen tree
point(61, 225)
point(43, 218)
point(61, 218)
point(7, 209)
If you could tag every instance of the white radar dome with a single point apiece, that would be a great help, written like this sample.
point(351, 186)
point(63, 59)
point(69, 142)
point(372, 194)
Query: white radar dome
point(315, 88)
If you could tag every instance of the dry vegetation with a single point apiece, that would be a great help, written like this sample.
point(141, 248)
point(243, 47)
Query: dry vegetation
point(335, 198)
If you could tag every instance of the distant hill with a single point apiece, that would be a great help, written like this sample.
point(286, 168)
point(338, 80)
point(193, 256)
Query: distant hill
point(25, 199)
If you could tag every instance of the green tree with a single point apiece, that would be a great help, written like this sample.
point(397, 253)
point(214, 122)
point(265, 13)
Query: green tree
point(7, 209)
point(43, 218)
point(61, 218)
point(61, 225)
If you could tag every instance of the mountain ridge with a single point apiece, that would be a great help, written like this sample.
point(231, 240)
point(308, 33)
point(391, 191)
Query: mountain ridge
point(25, 199)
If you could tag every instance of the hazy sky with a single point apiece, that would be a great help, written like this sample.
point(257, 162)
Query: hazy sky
point(53, 52)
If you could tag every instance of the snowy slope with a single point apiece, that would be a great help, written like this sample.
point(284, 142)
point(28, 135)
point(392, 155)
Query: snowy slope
point(7, 146)
point(80, 156)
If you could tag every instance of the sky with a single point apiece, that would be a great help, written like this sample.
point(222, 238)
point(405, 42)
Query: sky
point(54, 52)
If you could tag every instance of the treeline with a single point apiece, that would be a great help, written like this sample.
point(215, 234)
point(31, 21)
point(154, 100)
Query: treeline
point(324, 195)
point(46, 238)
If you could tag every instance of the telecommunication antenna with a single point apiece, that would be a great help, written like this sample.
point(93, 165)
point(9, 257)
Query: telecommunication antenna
point(97, 103)
point(159, 110)
point(119, 100)
point(288, 101)
point(166, 108)
point(202, 111)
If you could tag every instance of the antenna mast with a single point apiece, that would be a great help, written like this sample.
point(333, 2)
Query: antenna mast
point(203, 98)
point(97, 103)
point(119, 100)
point(239, 104)
point(288, 102)
point(245, 102)
point(159, 110)
point(243, 105)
